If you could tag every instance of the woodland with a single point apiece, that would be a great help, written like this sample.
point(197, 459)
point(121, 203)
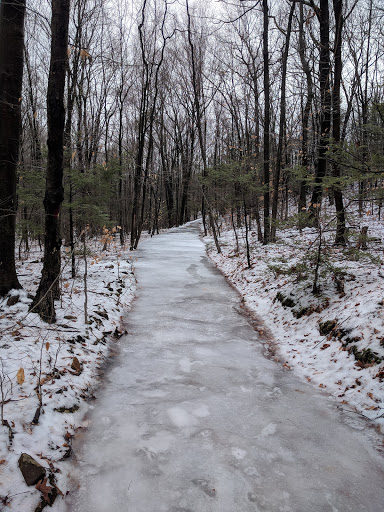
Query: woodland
point(153, 113)
point(261, 119)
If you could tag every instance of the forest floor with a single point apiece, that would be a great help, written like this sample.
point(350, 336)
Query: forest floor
point(193, 417)
point(53, 370)
point(334, 338)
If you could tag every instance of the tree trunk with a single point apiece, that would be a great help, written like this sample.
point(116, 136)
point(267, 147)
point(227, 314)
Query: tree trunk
point(48, 290)
point(325, 108)
point(337, 192)
point(11, 79)
point(266, 124)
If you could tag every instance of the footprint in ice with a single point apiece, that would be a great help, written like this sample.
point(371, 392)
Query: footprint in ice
point(238, 453)
point(181, 418)
point(207, 432)
point(201, 412)
point(269, 430)
point(205, 486)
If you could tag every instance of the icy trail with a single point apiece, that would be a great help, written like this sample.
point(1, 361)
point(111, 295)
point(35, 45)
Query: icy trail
point(193, 417)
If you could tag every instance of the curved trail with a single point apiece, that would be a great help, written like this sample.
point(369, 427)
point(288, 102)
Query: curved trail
point(193, 417)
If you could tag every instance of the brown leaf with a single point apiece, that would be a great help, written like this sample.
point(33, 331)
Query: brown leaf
point(2, 461)
point(20, 376)
point(76, 364)
point(44, 489)
point(47, 345)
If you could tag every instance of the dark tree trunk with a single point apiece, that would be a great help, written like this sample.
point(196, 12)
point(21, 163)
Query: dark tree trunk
point(337, 192)
point(325, 107)
point(142, 129)
point(120, 208)
point(266, 124)
point(48, 290)
point(11, 79)
point(364, 115)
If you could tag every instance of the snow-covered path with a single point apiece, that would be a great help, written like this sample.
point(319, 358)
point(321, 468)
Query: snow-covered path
point(193, 417)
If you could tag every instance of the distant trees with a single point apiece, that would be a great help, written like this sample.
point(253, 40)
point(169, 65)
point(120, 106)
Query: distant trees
point(254, 111)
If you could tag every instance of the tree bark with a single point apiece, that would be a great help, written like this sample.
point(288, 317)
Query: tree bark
point(48, 290)
point(325, 108)
point(340, 238)
point(266, 194)
point(11, 79)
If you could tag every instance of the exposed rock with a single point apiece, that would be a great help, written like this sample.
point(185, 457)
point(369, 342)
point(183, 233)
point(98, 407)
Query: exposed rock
point(13, 299)
point(31, 470)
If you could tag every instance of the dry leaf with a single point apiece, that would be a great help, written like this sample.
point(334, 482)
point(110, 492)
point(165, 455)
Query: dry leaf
point(44, 489)
point(84, 54)
point(20, 376)
point(47, 345)
point(3, 461)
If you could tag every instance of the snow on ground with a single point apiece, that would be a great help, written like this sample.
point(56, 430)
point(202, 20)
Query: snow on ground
point(194, 417)
point(38, 360)
point(334, 339)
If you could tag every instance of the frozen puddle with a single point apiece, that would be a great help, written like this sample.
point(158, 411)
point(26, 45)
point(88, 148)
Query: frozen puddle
point(193, 418)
